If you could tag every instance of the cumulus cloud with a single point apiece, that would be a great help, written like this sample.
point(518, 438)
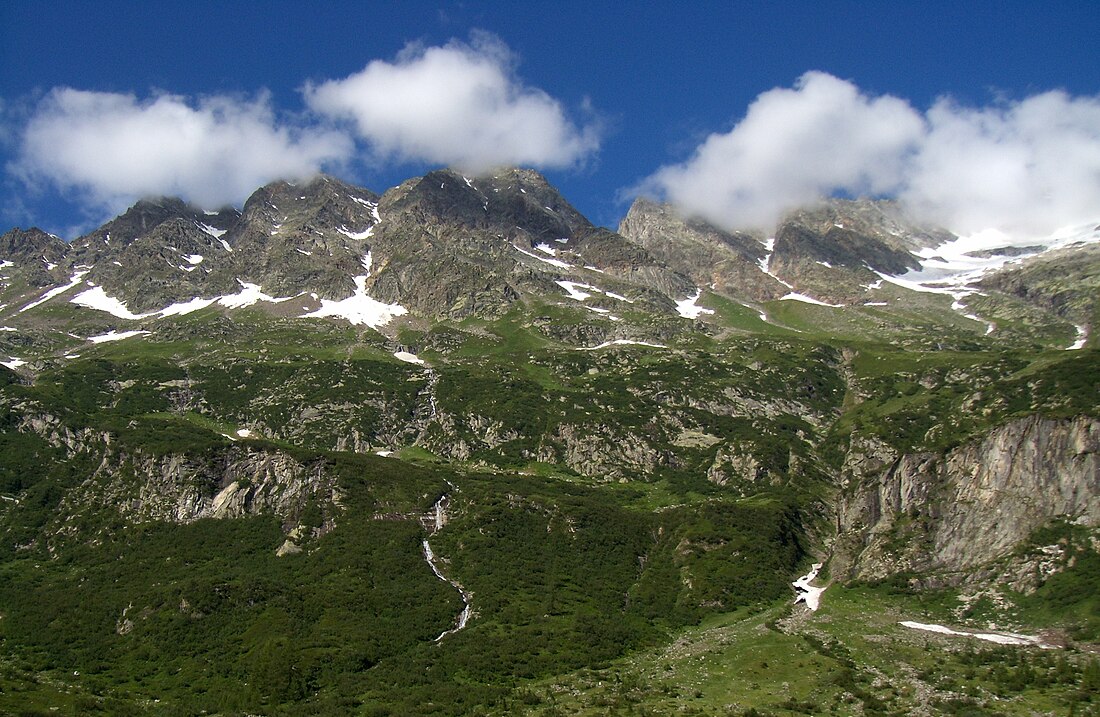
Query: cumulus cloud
point(1030, 166)
point(1026, 167)
point(460, 104)
point(792, 147)
point(112, 148)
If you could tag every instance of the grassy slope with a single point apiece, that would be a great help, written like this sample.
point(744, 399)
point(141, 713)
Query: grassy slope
point(587, 594)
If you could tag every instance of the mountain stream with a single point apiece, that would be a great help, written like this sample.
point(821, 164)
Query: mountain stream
point(438, 517)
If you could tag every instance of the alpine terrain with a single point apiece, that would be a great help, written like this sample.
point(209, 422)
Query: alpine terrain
point(456, 450)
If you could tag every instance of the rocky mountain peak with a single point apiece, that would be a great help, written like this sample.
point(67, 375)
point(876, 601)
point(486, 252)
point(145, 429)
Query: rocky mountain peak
point(513, 203)
point(20, 245)
point(730, 262)
point(34, 254)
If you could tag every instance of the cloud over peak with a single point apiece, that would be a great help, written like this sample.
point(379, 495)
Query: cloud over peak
point(460, 104)
point(112, 148)
point(792, 147)
point(1029, 166)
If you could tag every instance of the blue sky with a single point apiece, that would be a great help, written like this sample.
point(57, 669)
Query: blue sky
point(734, 110)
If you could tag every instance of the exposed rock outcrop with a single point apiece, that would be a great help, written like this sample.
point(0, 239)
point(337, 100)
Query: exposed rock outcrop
point(926, 512)
point(234, 482)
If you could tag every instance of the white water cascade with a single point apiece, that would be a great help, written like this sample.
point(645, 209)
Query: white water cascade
point(438, 516)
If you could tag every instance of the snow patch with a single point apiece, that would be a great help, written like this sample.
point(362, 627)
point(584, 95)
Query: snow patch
point(769, 247)
point(689, 309)
point(547, 249)
point(808, 593)
point(212, 231)
point(793, 296)
point(952, 267)
point(359, 308)
point(244, 433)
point(357, 236)
point(408, 357)
point(113, 335)
point(372, 206)
point(248, 295)
point(765, 262)
point(13, 363)
point(8, 328)
point(552, 262)
point(622, 342)
point(185, 307)
point(1082, 336)
point(75, 279)
point(98, 299)
point(225, 244)
point(193, 259)
point(1001, 638)
point(571, 288)
point(5, 264)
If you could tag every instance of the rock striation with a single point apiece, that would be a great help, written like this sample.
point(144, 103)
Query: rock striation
point(954, 512)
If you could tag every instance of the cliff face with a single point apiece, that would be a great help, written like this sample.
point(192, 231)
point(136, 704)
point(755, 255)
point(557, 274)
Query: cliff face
point(954, 512)
point(231, 482)
point(236, 482)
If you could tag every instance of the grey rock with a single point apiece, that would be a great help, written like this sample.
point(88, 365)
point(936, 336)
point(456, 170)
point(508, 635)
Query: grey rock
point(976, 503)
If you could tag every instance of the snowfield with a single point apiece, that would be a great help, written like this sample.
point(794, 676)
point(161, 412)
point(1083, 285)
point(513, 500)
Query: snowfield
point(408, 357)
point(808, 593)
point(552, 262)
point(574, 289)
point(689, 309)
point(359, 309)
point(97, 298)
point(792, 296)
point(113, 335)
point(1001, 638)
point(76, 278)
point(622, 342)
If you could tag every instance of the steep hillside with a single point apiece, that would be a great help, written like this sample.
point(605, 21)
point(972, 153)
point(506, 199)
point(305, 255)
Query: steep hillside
point(453, 449)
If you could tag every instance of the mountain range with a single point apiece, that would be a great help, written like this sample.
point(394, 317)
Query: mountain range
point(454, 449)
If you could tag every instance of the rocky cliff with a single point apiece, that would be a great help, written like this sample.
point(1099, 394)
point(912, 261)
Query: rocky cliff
point(953, 512)
point(230, 482)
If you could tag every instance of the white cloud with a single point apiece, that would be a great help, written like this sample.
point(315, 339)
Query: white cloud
point(113, 148)
point(793, 146)
point(1026, 167)
point(1030, 166)
point(460, 105)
